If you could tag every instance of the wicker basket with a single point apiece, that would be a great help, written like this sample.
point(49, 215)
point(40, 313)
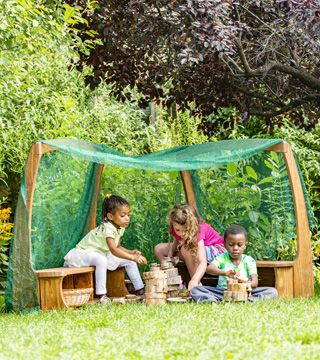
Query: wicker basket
point(77, 297)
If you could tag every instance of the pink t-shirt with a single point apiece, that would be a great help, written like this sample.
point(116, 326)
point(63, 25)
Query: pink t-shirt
point(206, 233)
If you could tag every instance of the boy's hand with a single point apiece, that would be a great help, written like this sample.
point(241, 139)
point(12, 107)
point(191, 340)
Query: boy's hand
point(231, 273)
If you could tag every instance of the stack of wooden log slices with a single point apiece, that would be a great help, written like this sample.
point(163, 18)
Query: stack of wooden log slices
point(162, 282)
point(237, 290)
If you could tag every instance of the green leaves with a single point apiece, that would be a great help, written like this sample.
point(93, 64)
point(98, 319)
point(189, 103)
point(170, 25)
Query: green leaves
point(251, 173)
point(232, 169)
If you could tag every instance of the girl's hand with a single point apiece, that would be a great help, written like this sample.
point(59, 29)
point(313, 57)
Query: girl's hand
point(136, 252)
point(139, 259)
point(192, 283)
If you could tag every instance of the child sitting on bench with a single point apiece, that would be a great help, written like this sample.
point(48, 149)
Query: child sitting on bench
point(233, 264)
point(101, 248)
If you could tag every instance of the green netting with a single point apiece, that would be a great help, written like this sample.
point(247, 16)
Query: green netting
point(234, 182)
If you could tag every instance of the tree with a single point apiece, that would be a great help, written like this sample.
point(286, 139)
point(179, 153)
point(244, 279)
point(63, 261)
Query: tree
point(260, 56)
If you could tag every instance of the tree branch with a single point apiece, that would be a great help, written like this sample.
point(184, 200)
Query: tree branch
point(292, 105)
point(253, 94)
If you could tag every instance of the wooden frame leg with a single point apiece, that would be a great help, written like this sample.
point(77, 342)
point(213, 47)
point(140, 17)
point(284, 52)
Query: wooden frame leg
point(116, 286)
point(50, 291)
point(284, 282)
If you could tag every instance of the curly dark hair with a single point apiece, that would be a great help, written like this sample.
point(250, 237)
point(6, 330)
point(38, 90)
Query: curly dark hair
point(110, 205)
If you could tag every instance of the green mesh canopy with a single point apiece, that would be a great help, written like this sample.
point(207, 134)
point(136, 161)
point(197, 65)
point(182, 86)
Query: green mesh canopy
point(235, 181)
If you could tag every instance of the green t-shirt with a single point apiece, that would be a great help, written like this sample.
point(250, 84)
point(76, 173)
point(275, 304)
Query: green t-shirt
point(245, 269)
point(96, 238)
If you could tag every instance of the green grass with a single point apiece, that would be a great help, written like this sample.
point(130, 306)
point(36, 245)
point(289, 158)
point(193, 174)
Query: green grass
point(281, 329)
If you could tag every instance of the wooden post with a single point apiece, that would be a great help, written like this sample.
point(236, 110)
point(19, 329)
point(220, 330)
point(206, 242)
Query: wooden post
point(188, 188)
point(302, 272)
point(32, 166)
point(93, 219)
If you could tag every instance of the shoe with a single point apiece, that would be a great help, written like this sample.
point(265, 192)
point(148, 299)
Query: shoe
point(104, 300)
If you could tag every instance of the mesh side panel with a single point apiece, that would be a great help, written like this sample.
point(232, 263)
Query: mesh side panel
point(20, 292)
point(61, 207)
point(256, 194)
point(60, 216)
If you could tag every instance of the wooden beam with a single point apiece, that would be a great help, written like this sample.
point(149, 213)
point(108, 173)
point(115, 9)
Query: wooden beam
point(302, 273)
point(188, 188)
point(93, 219)
point(281, 147)
point(32, 166)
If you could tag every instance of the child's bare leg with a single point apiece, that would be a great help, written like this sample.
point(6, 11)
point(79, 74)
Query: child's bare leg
point(162, 250)
point(190, 261)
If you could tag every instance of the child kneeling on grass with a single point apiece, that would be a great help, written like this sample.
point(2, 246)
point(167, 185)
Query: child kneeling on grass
point(101, 248)
point(232, 264)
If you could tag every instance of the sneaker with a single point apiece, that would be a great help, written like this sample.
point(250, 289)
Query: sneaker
point(104, 300)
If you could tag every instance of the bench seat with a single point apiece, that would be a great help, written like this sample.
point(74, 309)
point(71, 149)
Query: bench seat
point(52, 282)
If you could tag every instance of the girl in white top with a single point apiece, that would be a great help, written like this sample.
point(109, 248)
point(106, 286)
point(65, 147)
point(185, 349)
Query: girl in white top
point(101, 248)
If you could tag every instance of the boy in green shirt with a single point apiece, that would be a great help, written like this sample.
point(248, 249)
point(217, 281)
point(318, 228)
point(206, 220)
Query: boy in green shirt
point(232, 264)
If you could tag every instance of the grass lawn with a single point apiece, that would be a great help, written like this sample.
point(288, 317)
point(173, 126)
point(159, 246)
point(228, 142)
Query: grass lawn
point(281, 329)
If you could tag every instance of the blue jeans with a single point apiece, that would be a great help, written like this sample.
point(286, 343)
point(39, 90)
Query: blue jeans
point(208, 294)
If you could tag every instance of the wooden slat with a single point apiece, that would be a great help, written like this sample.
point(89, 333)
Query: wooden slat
point(275, 264)
point(93, 219)
point(284, 282)
point(50, 291)
point(188, 188)
point(63, 271)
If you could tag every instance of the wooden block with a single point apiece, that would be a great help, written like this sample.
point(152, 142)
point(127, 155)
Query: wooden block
point(174, 280)
point(232, 281)
point(173, 287)
point(150, 289)
point(155, 295)
point(154, 267)
point(156, 285)
point(173, 293)
point(154, 275)
point(172, 272)
point(155, 282)
point(237, 287)
point(155, 302)
point(227, 295)
point(156, 288)
point(239, 296)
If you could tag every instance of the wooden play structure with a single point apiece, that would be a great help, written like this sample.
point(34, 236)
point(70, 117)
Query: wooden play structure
point(291, 278)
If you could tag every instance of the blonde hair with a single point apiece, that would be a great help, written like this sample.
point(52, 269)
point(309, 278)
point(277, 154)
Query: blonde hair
point(188, 216)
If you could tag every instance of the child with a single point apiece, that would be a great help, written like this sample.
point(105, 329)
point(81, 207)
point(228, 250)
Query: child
point(101, 248)
point(233, 264)
point(196, 242)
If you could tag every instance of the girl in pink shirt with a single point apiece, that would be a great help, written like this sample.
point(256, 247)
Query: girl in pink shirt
point(196, 242)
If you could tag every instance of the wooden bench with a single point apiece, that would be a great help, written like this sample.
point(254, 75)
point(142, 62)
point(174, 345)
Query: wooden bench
point(52, 282)
point(278, 274)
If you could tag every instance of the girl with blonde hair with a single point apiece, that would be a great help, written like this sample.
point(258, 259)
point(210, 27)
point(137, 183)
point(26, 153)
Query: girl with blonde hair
point(195, 241)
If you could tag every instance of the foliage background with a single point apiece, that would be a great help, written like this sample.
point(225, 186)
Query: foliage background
point(43, 95)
